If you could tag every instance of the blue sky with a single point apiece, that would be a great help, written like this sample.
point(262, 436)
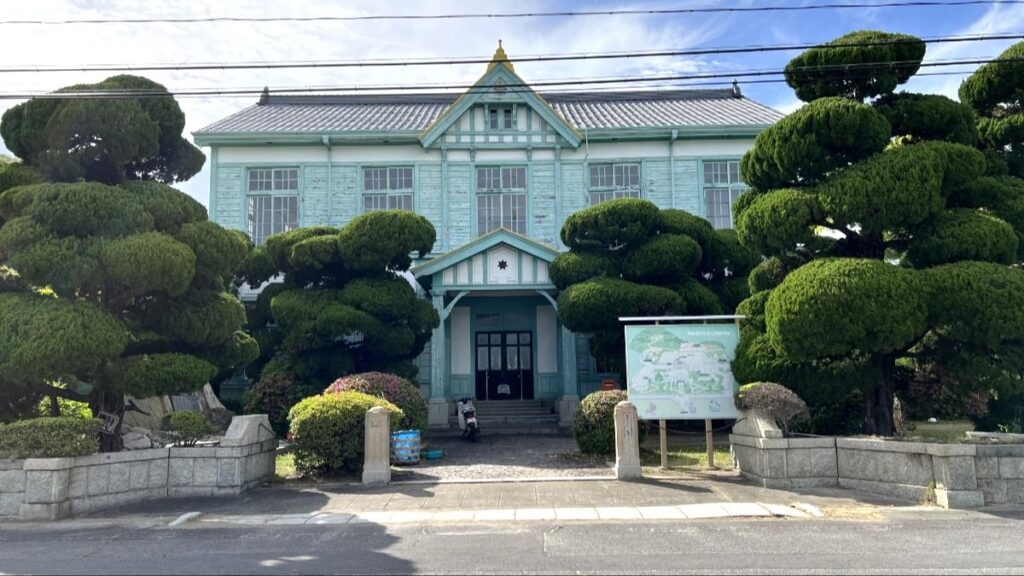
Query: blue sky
point(227, 42)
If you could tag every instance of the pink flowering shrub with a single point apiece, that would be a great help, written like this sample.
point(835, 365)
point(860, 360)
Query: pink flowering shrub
point(394, 389)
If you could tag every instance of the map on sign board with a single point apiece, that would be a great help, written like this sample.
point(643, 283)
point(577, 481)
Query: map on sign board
point(681, 372)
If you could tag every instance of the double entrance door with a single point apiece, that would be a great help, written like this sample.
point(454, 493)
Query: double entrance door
point(504, 365)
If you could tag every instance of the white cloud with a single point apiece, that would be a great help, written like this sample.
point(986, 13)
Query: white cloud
point(276, 41)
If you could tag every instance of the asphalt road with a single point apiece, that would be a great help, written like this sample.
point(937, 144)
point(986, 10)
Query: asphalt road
point(980, 544)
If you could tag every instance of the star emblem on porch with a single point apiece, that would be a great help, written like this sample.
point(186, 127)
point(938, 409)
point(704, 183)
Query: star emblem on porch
point(502, 264)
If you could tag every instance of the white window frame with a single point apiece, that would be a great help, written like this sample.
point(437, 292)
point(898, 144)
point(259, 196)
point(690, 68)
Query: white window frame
point(501, 199)
point(500, 117)
point(272, 202)
point(613, 180)
point(721, 184)
point(388, 188)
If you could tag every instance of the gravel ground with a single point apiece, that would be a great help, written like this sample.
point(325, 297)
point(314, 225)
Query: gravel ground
point(494, 457)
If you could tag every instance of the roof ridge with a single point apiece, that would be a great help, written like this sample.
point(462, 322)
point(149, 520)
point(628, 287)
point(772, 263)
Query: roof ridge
point(449, 97)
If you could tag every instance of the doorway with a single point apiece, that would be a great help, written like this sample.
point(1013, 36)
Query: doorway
point(504, 365)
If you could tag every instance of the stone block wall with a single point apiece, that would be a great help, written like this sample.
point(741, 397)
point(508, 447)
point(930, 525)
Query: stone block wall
point(52, 488)
point(1000, 473)
point(954, 475)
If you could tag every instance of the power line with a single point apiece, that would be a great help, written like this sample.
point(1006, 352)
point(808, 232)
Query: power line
point(558, 14)
point(137, 93)
point(485, 60)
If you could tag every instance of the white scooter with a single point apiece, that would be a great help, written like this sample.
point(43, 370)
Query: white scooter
point(467, 418)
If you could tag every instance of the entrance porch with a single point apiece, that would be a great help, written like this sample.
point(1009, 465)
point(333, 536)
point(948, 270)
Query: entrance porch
point(499, 338)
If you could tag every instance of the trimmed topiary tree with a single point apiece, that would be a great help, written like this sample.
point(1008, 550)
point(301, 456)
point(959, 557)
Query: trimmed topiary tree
point(342, 306)
point(775, 401)
point(394, 389)
point(873, 218)
point(995, 94)
point(328, 430)
point(119, 290)
point(593, 425)
point(628, 258)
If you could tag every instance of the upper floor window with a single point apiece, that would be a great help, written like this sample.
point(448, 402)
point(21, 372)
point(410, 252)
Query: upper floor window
point(387, 189)
point(273, 202)
point(722, 186)
point(501, 199)
point(609, 181)
point(499, 117)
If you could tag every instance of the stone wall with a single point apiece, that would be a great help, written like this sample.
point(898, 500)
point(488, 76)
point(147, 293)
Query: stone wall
point(52, 488)
point(951, 475)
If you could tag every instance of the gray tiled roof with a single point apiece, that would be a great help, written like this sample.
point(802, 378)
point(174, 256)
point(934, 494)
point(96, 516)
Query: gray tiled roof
point(415, 112)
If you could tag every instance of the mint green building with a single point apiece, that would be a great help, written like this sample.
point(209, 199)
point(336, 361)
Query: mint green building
point(497, 170)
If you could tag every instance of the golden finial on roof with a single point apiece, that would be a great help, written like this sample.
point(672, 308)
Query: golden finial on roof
point(499, 56)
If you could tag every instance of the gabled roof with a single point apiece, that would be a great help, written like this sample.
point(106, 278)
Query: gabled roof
point(500, 73)
point(532, 247)
point(410, 114)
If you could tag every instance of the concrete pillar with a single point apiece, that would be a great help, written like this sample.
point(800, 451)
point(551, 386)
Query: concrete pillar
point(570, 399)
point(377, 447)
point(627, 442)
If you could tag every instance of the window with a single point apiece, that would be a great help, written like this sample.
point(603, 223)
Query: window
point(387, 189)
point(609, 181)
point(501, 199)
point(722, 186)
point(499, 118)
point(273, 203)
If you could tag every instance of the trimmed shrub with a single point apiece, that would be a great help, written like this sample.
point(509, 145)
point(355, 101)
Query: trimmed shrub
point(274, 394)
point(394, 389)
point(56, 437)
point(328, 430)
point(775, 401)
point(593, 427)
point(188, 426)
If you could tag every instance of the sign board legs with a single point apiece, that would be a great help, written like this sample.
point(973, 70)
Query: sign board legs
point(709, 438)
point(663, 431)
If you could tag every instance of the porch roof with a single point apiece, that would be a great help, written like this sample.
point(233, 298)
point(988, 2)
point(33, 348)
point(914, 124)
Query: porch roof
point(524, 262)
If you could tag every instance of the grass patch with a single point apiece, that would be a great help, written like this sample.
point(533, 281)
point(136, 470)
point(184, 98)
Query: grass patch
point(951, 431)
point(695, 456)
point(284, 467)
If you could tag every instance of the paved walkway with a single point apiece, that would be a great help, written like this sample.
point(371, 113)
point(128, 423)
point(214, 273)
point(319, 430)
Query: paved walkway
point(552, 501)
point(504, 456)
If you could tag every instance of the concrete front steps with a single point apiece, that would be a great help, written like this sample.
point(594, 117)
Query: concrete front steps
point(511, 417)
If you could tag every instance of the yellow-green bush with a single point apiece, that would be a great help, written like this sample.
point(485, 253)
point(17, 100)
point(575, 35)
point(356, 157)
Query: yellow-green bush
point(51, 437)
point(328, 432)
point(593, 426)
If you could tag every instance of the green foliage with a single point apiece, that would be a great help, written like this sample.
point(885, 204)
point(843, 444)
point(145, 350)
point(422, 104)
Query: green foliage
point(103, 140)
point(697, 299)
point(395, 389)
point(50, 437)
point(964, 234)
point(148, 262)
point(977, 302)
point(199, 318)
point(593, 426)
point(998, 133)
point(802, 148)
point(857, 65)
point(665, 258)
point(157, 374)
point(597, 304)
point(771, 272)
point(569, 268)
point(1005, 414)
point(883, 309)
point(187, 426)
point(17, 174)
point(621, 224)
point(901, 187)
point(929, 117)
point(274, 394)
point(328, 431)
point(219, 252)
point(779, 220)
point(777, 402)
point(995, 87)
point(384, 240)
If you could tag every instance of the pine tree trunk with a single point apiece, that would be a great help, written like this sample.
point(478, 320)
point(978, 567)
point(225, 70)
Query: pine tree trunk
point(879, 417)
point(111, 403)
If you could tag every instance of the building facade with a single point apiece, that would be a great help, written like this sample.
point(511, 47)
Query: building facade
point(497, 170)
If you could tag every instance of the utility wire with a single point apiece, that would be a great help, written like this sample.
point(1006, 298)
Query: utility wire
point(486, 60)
point(141, 93)
point(558, 14)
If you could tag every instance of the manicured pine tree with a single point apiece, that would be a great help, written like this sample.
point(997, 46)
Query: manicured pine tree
point(889, 241)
